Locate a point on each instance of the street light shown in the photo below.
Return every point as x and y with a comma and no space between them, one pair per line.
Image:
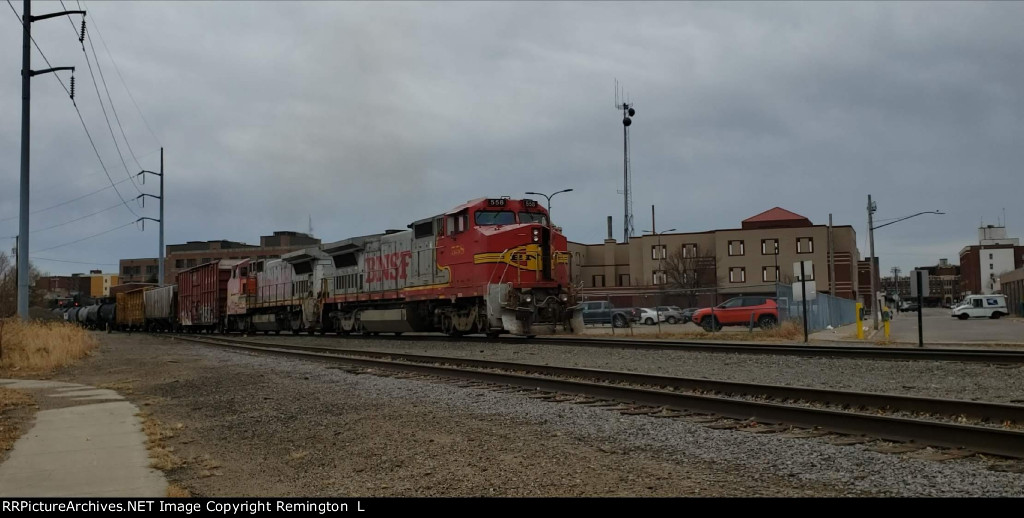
872,207
549,200
661,262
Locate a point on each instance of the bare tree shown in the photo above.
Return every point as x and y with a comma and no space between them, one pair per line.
691,274
9,287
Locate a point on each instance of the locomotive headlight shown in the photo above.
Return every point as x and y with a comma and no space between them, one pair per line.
536,235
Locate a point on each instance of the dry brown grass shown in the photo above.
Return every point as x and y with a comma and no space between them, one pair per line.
787,330
161,455
35,347
10,422
176,491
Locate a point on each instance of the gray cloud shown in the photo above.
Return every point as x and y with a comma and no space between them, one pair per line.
369,115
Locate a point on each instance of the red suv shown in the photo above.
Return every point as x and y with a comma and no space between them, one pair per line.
737,312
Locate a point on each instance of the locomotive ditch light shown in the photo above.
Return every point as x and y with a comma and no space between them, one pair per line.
528,298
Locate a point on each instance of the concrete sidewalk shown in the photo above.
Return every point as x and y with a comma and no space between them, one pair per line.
92,446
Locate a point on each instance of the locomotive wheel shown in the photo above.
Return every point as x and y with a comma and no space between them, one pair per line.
493,334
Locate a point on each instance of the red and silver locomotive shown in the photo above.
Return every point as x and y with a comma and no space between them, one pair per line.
492,266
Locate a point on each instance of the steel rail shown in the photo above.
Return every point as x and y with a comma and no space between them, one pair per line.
761,348
998,441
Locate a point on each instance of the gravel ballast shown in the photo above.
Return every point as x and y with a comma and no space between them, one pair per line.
953,380
250,424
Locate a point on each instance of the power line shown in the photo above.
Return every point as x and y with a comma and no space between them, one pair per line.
113,108
105,171
99,97
80,218
59,80
87,237
87,134
123,82
67,202
72,262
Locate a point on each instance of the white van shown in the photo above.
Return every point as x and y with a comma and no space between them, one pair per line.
981,306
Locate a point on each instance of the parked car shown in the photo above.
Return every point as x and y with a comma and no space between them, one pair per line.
910,306
687,315
981,306
650,317
670,314
604,312
738,312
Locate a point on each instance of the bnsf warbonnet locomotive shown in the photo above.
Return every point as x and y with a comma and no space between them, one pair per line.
492,265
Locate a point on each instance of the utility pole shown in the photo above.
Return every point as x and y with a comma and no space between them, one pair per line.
871,238
627,112
161,220
26,94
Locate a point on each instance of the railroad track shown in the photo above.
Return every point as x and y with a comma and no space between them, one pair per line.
761,348
878,415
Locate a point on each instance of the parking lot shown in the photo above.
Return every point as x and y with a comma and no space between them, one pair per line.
940,327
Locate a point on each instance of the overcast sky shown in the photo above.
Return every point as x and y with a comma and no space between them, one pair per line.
369,116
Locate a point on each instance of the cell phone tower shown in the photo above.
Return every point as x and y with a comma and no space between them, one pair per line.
627,182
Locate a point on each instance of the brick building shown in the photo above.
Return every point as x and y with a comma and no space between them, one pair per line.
982,265
139,270
718,264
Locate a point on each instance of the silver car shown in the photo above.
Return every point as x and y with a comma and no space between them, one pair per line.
670,314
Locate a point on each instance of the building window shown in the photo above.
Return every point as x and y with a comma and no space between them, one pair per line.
179,263
990,266
655,254
769,247
623,279
736,248
690,250
191,263
659,277
738,274
805,245
769,273
598,281
989,257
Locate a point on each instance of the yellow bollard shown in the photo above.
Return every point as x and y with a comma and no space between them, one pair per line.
886,318
860,321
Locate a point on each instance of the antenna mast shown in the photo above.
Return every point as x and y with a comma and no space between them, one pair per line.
627,181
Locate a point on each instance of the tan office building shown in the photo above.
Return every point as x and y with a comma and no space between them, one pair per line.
718,264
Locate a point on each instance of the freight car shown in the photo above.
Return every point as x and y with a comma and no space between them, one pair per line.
161,306
202,296
491,265
131,312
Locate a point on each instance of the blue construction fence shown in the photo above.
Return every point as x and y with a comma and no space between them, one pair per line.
822,311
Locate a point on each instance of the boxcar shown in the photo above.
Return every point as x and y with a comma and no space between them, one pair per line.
202,296
160,306
131,312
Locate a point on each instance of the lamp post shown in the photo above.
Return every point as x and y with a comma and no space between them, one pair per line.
661,264
872,207
552,195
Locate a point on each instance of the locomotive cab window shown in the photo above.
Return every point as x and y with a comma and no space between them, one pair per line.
457,222
533,217
495,217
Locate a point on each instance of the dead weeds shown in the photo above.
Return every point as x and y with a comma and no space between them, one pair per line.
16,408
35,347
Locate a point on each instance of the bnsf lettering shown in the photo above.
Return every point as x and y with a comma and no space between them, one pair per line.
388,267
